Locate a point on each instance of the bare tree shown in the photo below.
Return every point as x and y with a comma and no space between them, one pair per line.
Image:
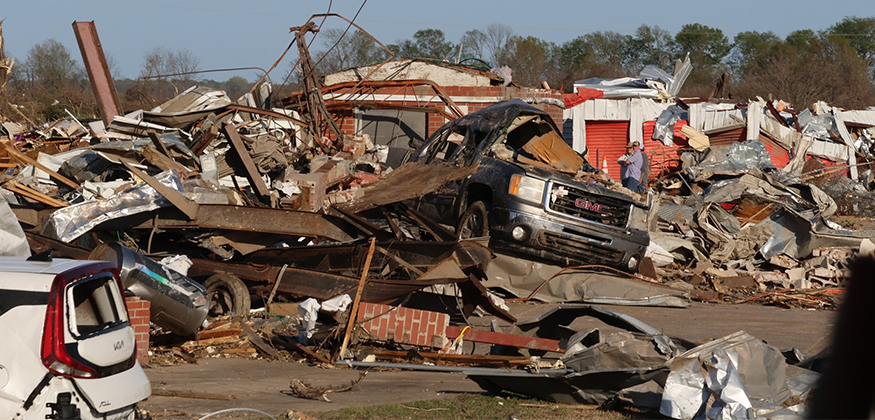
165,71
5,63
498,36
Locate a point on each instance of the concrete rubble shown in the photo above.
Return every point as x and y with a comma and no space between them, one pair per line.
280,210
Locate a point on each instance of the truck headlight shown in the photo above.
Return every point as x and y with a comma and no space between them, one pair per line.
527,188
519,233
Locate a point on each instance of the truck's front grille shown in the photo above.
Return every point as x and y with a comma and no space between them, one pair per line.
588,206
579,250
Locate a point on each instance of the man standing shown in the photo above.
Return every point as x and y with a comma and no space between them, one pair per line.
645,171
630,166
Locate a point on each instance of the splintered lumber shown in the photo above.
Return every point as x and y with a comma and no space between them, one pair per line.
698,140
33,194
218,324
26,159
256,340
214,341
191,394
358,297
223,332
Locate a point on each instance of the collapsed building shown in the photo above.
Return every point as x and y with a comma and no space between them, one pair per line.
278,204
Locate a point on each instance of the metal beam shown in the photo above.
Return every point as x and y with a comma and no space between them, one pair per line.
260,219
98,70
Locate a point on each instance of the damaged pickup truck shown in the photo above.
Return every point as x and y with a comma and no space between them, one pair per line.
524,194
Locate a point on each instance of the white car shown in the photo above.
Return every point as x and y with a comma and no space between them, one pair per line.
68,349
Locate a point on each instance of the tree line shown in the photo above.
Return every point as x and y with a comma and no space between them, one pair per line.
835,65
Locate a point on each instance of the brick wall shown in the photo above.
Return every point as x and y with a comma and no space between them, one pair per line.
404,325
468,98
138,313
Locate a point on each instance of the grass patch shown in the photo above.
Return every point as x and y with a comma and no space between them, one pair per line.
479,406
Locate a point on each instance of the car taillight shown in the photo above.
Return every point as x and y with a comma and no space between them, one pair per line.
54,354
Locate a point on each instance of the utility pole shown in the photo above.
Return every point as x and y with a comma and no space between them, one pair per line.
318,114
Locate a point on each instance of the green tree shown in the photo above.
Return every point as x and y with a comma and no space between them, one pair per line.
426,43
749,47
431,44
649,45
49,66
707,48
48,83
529,58
801,39
236,86
597,54
806,68
860,35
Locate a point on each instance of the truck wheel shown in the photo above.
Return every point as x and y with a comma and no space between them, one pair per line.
474,222
228,295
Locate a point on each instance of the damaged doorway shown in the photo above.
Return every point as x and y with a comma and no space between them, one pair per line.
401,131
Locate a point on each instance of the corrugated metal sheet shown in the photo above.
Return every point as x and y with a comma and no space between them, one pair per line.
607,140
721,118
865,118
662,158
728,137
780,155
606,109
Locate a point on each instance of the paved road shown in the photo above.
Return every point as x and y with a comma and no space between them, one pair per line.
264,385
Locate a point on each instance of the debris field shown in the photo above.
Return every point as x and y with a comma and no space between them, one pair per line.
362,222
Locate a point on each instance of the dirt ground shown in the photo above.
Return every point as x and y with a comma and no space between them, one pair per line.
264,385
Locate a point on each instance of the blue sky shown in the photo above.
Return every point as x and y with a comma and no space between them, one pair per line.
226,33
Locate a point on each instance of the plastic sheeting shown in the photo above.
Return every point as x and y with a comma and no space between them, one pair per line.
739,370
738,156
663,130
13,242
71,222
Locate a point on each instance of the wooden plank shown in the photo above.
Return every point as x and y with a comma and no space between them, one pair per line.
697,140
191,394
256,340
33,194
353,313
26,159
160,161
236,332
158,144
219,324
251,171
417,272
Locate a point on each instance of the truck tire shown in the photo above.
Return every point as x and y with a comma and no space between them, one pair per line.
228,295
474,223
